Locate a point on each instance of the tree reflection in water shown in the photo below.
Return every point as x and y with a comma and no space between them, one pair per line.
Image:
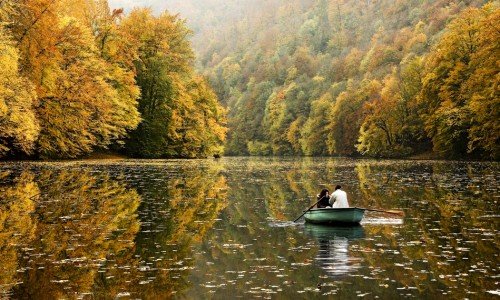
333,255
77,223
221,229
84,232
17,226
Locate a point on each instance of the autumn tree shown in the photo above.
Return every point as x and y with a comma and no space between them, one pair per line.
277,121
162,66
392,126
314,133
298,78
181,115
247,120
347,116
18,125
460,90
204,124
305,42
82,104
482,87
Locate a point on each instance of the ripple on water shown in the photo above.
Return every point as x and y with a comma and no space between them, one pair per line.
380,221
142,229
278,224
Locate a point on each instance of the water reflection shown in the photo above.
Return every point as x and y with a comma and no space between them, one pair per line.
83,232
445,246
68,227
222,229
17,226
333,255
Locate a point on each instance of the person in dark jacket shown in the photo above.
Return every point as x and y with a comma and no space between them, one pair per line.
324,199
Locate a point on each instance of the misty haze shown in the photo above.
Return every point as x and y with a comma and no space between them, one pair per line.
215,149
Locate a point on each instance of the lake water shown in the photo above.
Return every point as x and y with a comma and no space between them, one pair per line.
221,229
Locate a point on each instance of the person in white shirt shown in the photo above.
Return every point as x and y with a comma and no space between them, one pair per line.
338,199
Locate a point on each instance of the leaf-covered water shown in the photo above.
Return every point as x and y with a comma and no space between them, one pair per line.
221,229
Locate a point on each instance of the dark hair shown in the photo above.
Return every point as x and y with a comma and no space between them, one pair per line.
338,187
323,193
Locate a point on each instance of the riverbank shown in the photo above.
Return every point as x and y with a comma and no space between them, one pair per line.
110,155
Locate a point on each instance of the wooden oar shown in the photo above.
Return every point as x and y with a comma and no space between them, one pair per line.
308,209
391,211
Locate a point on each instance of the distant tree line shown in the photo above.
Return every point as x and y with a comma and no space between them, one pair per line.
379,78
77,77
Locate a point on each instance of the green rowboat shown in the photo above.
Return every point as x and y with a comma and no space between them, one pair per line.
345,216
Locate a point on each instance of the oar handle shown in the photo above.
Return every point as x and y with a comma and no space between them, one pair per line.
308,209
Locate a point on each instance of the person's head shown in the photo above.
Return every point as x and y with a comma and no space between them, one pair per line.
323,193
338,187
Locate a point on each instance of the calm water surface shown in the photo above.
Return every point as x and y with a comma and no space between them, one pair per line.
220,229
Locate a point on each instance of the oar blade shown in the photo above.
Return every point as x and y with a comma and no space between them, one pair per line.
390,211
396,212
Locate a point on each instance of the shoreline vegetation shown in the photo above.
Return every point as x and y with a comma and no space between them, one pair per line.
104,156
345,77
376,79
80,77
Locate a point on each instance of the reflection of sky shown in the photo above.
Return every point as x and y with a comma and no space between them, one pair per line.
333,256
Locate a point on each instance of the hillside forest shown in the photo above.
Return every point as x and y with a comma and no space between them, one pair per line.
376,78
373,78
78,77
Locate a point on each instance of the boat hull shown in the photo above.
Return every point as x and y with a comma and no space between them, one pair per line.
340,216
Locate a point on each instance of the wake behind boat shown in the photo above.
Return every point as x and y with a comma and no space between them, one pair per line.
341,216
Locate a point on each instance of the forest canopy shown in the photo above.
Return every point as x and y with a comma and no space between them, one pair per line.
373,78
79,77
343,77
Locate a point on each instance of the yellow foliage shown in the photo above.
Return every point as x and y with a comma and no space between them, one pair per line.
18,126
17,226
84,101
461,85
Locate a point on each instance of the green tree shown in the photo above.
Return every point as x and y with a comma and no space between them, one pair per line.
181,116
247,120
315,130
